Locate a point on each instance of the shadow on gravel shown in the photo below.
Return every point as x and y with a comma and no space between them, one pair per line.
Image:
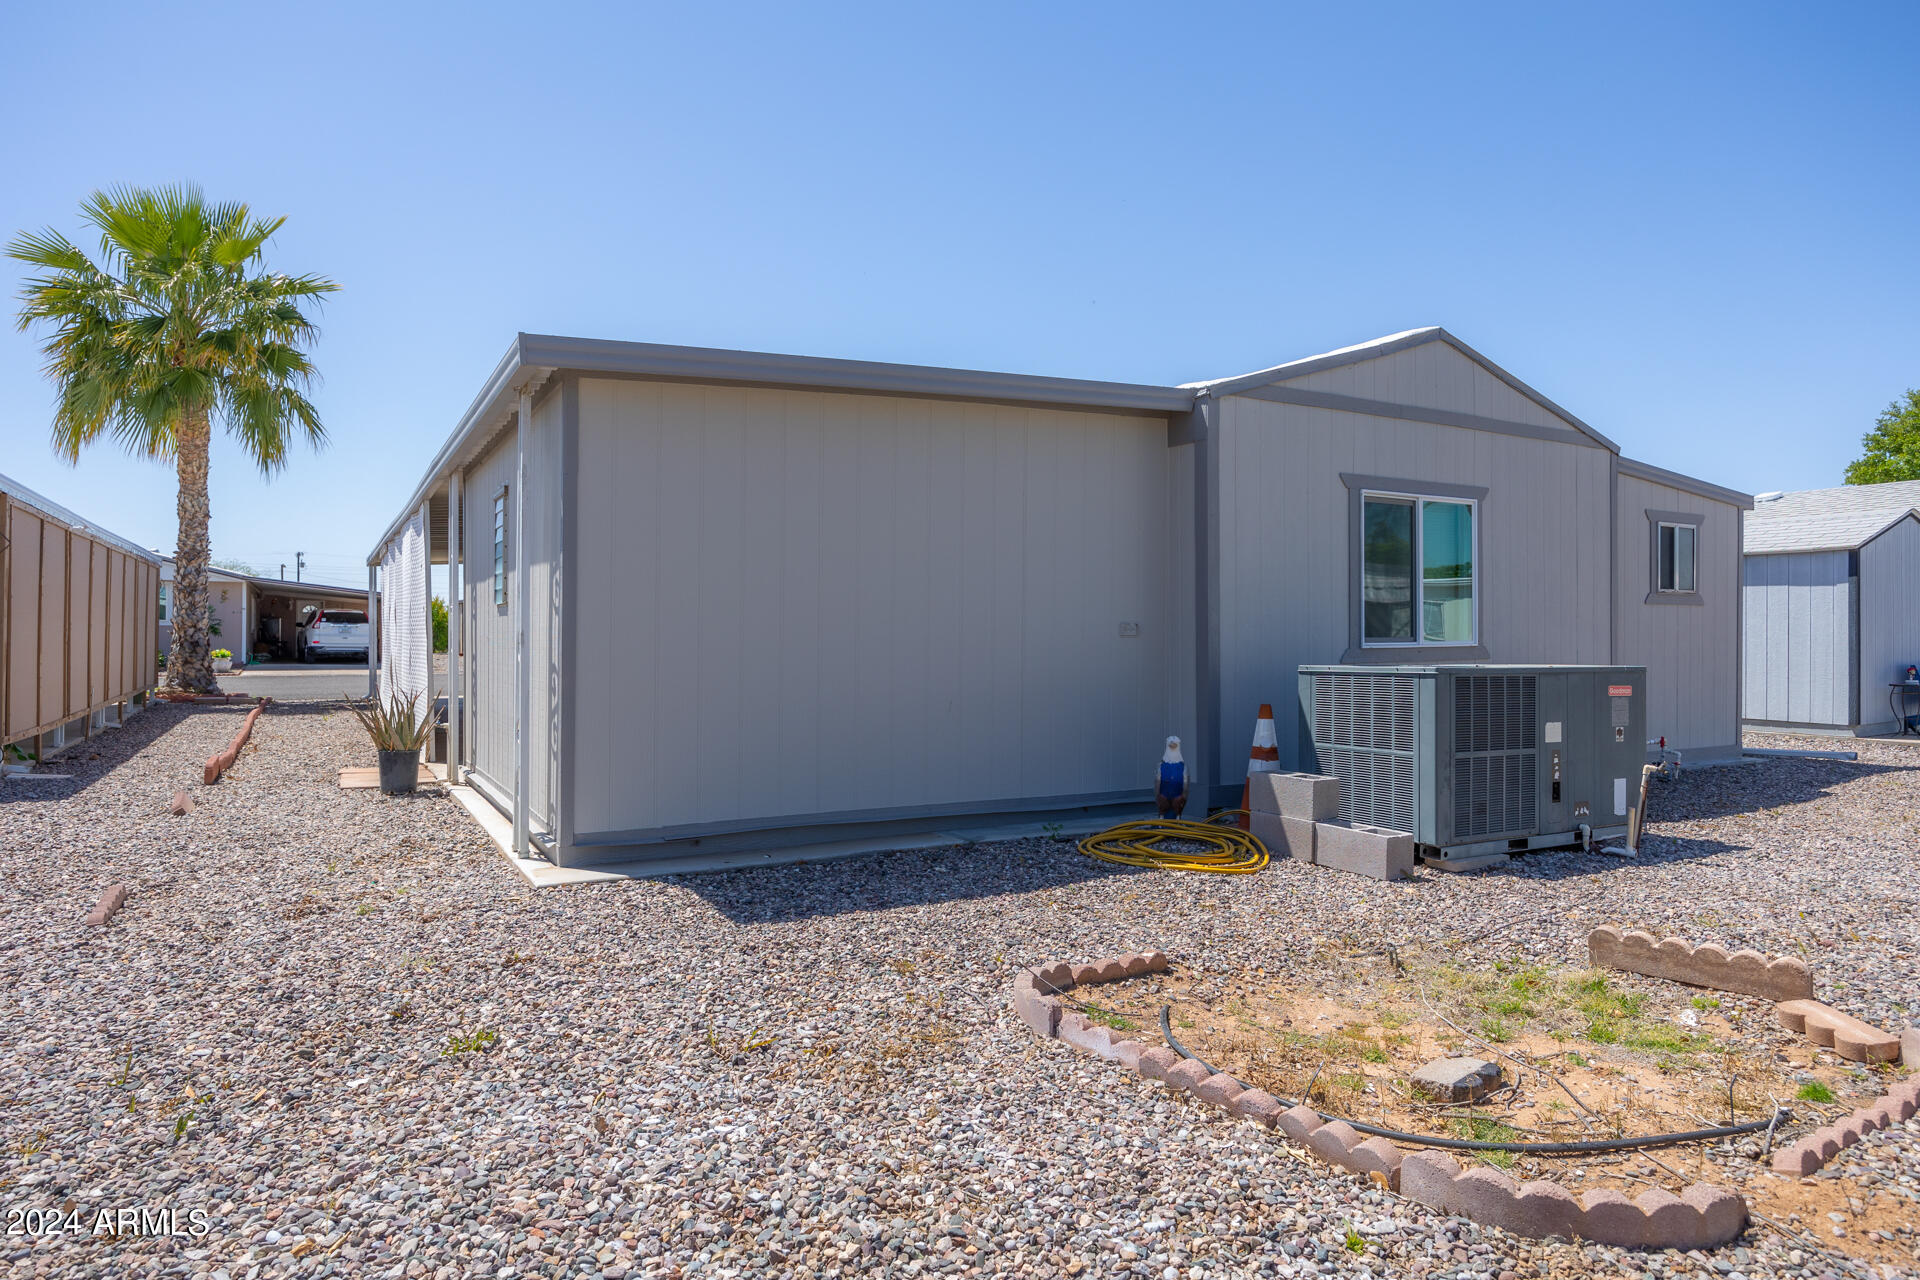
1655,851
905,878
88,762
1764,784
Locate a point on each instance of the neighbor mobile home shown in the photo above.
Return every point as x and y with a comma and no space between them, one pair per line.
743,602
77,622
1832,602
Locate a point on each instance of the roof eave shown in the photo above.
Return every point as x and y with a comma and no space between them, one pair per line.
551,354
1689,484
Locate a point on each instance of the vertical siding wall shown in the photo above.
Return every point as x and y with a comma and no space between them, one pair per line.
1691,652
795,604
78,624
489,739
1799,649
1889,617
1287,566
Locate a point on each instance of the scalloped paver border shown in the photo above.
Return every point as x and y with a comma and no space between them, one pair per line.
1809,1153
1702,1217
1707,965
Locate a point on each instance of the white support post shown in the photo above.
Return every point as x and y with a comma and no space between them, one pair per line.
426,585
522,604
373,631
456,606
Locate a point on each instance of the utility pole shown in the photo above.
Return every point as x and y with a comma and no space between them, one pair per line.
283,571
299,565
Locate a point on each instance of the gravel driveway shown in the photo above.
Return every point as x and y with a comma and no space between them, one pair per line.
341,1027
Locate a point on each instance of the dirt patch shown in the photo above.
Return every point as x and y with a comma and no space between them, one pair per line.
1584,1054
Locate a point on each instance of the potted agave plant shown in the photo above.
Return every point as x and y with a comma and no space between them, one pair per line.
398,729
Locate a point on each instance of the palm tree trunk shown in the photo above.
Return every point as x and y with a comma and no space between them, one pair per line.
189,664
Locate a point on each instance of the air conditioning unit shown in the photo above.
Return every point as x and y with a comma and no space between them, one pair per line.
1473,759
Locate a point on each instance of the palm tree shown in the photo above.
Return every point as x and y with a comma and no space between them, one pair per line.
177,324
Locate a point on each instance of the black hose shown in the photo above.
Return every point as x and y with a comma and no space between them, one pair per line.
1518,1148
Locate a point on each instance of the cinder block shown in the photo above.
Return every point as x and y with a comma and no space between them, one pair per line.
1910,1046
1111,970
1127,1053
1363,850
1085,975
1313,796
1284,837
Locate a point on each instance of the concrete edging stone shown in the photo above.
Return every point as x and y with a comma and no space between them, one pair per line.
1701,1217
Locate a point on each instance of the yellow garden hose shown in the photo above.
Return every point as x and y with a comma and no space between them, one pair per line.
1228,850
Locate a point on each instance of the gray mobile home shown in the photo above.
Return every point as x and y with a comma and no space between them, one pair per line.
741,603
1832,603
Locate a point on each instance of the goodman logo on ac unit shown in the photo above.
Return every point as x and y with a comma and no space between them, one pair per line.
1619,691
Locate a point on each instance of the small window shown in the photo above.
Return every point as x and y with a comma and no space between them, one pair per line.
500,547
1417,571
163,602
1676,557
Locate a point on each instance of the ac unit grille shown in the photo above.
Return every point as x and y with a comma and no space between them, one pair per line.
1364,733
1495,764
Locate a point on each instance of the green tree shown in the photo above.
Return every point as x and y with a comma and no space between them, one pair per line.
1891,451
438,608
176,324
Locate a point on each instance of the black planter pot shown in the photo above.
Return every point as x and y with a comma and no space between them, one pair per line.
399,771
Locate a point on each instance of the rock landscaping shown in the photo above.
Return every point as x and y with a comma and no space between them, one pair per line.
340,1027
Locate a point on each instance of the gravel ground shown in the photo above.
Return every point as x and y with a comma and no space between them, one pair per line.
340,1027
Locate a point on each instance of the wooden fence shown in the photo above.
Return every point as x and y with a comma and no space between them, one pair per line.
79,624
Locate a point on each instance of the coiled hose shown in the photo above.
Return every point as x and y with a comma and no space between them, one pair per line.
1227,850
1519,1148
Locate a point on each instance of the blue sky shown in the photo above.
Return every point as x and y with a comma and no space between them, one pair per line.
1693,226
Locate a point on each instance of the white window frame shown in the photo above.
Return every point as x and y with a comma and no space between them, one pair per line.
1659,528
1419,501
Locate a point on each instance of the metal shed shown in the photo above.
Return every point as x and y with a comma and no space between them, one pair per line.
713,607
77,623
1832,601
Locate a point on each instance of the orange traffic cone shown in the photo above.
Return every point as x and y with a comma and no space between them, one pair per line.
1263,758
